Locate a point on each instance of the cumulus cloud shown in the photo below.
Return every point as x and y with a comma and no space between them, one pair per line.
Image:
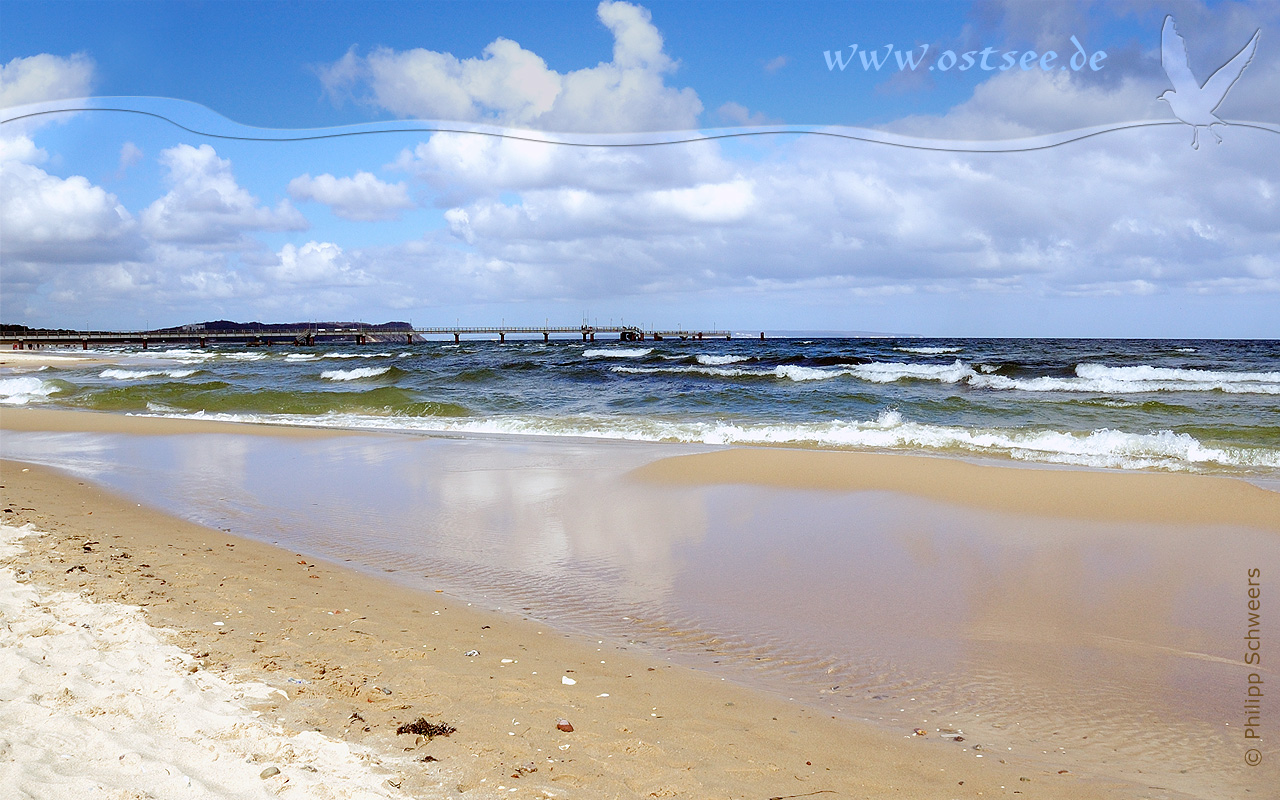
362,197
509,85
462,166
207,207
37,78
1135,213
1012,105
315,264
50,219
1016,103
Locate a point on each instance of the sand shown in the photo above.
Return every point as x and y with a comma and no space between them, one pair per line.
1113,496
96,704
358,657
34,359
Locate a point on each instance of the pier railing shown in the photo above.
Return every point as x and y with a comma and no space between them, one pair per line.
31,339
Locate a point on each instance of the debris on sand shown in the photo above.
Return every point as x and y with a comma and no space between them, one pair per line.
428,729
563,724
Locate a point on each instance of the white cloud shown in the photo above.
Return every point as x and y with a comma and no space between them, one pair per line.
45,77
1134,213
362,197
130,154
462,166
1016,104
774,64
207,207
57,220
739,115
315,264
509,85
20,149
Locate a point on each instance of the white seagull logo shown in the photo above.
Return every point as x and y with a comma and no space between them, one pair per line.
1192,103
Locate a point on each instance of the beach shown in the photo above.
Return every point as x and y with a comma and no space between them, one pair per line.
673,703
334,640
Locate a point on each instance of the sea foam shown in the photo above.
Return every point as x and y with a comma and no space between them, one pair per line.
20,391
354,374
889,430
137,374
618,352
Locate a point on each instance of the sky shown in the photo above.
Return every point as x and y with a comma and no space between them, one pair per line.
113,219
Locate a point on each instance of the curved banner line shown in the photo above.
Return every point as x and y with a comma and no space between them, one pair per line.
216,126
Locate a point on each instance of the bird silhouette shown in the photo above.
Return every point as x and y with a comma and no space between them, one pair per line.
1192,103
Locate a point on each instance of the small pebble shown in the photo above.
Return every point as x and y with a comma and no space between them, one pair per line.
564,725
268,772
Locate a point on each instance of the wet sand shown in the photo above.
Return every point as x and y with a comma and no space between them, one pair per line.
1062,493
1044,606
359,657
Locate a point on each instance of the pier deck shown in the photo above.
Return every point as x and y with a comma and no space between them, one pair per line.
32,339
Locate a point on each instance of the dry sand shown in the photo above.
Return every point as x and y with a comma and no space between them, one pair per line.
40,358
358,657
1113,496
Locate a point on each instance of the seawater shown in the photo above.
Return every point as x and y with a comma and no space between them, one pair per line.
1198,405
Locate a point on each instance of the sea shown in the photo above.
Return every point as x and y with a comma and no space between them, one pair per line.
1209,406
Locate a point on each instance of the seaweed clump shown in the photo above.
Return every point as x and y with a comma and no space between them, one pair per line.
428,729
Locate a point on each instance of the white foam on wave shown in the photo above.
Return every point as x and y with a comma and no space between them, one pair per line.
928,351
172,354
138,374
1100,448
719,361
618,352
354,374
243,356
96,704
689,369
1089,378
20,391
357,355
1146,373
301,357
1100,379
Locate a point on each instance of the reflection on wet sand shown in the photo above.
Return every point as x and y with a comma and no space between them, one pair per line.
1114,642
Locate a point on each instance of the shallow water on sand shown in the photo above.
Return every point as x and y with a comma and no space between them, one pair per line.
1117,647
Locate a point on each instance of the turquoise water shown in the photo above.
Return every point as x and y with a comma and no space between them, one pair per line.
1211,406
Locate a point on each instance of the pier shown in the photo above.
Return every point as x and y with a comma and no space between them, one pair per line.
266,336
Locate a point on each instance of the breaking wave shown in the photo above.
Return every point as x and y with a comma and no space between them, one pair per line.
618,352
354,374
137,374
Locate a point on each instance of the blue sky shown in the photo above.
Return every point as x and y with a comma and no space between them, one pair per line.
117,220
